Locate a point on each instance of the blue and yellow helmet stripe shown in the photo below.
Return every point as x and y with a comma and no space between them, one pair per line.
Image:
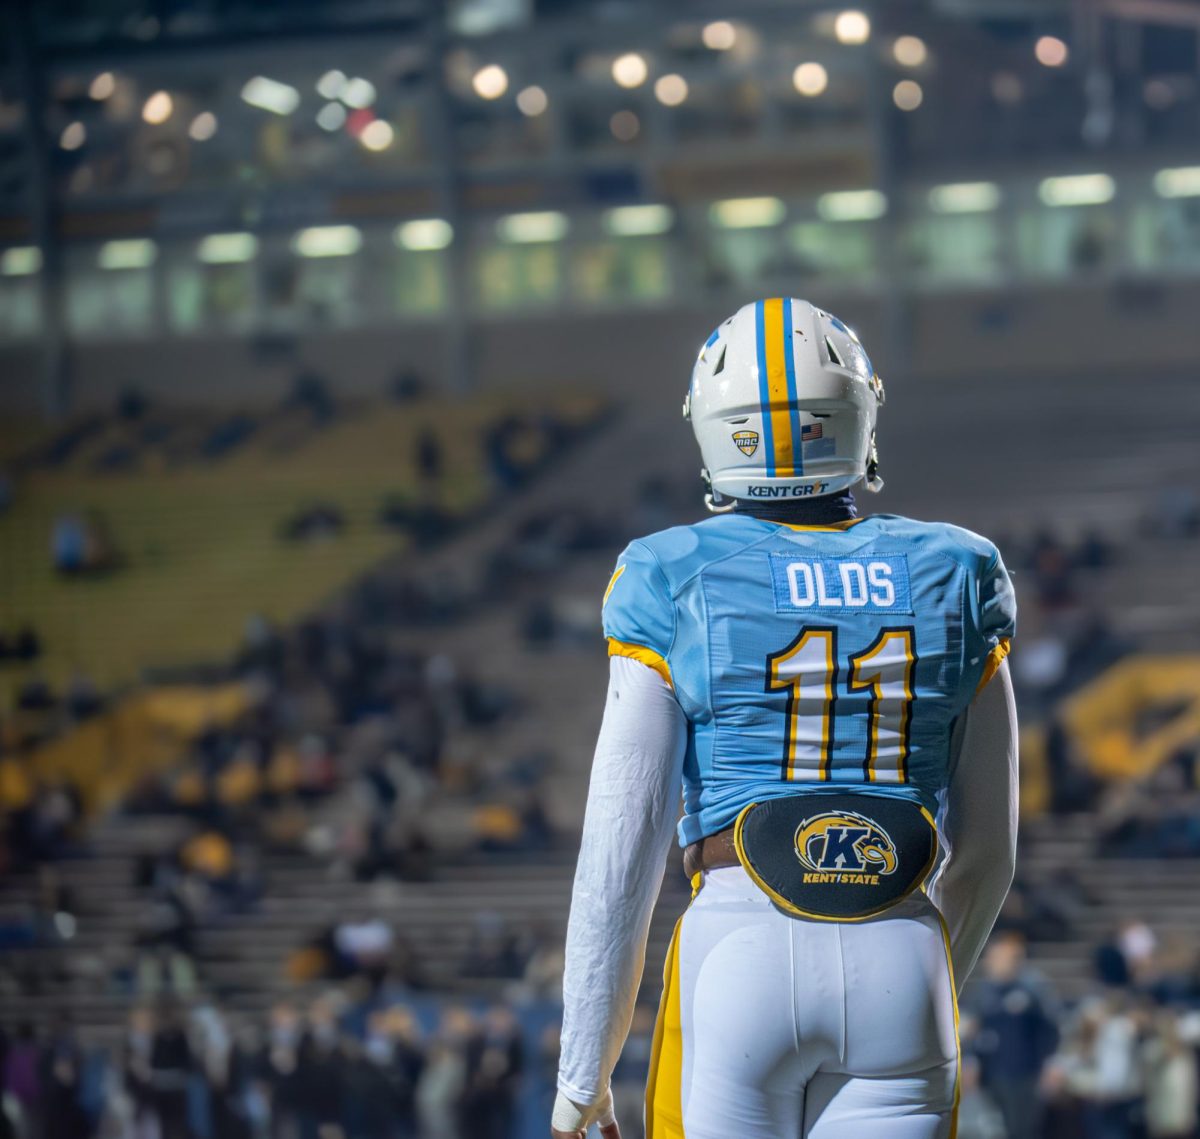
777,387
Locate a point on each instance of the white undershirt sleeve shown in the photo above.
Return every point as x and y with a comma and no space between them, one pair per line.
979,822
633,802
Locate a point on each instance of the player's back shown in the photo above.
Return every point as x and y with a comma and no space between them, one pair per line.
812,658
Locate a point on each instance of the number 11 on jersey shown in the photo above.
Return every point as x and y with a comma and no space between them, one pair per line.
807,670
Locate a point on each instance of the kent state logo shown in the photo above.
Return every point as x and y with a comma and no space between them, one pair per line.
747,442
841,846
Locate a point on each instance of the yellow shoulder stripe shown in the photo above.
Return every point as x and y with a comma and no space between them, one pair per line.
992,664
646,656
611,582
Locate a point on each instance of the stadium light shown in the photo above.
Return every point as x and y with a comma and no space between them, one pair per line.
747,213
331,84
331,117
203,126
270,95
102,86
158,108
909,51
358,93
637,221
127,253
810,79
852,27
532,101
1077,190
377,135
852,205
327,241
74,135
227,248
964,197
630,70
1178,182
671,90
20,261
1051,51
490,82
528,228
907,95
720,35
625,126
423,234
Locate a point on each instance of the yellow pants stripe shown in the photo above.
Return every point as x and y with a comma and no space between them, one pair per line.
957,1038
664,1087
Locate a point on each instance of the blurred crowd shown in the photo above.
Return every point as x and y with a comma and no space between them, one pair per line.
338,1067
1120,1064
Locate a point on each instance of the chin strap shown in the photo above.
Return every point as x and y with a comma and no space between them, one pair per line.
716,503
872,481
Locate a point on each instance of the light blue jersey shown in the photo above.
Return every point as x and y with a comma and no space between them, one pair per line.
812,658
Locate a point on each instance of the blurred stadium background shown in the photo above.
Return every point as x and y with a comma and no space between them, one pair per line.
341,350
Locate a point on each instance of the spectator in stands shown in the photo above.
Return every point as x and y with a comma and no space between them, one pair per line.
1127,958
444,1078
428,457
137,1073
170,1070
82,697
1017,1016
278,1068
81,543
310,394
395,1056
407,386
365,946
224,1068
495,951
1050,564
495,1064
61,1080
320,1071
69,544
23,1080
23,646
1100,1066
1172,1081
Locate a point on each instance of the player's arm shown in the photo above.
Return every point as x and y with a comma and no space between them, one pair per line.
979,824
633,801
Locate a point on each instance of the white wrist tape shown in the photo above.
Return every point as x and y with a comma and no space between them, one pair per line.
569,1116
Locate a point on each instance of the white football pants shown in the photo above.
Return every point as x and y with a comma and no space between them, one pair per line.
774,1027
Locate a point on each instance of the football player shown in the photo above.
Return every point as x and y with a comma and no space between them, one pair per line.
828,694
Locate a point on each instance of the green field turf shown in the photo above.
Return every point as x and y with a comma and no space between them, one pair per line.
201,543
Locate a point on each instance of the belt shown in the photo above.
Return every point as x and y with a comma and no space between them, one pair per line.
712,852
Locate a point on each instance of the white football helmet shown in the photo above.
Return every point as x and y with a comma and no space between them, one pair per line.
783,402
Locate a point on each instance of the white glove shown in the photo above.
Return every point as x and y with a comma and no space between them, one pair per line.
569,1116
